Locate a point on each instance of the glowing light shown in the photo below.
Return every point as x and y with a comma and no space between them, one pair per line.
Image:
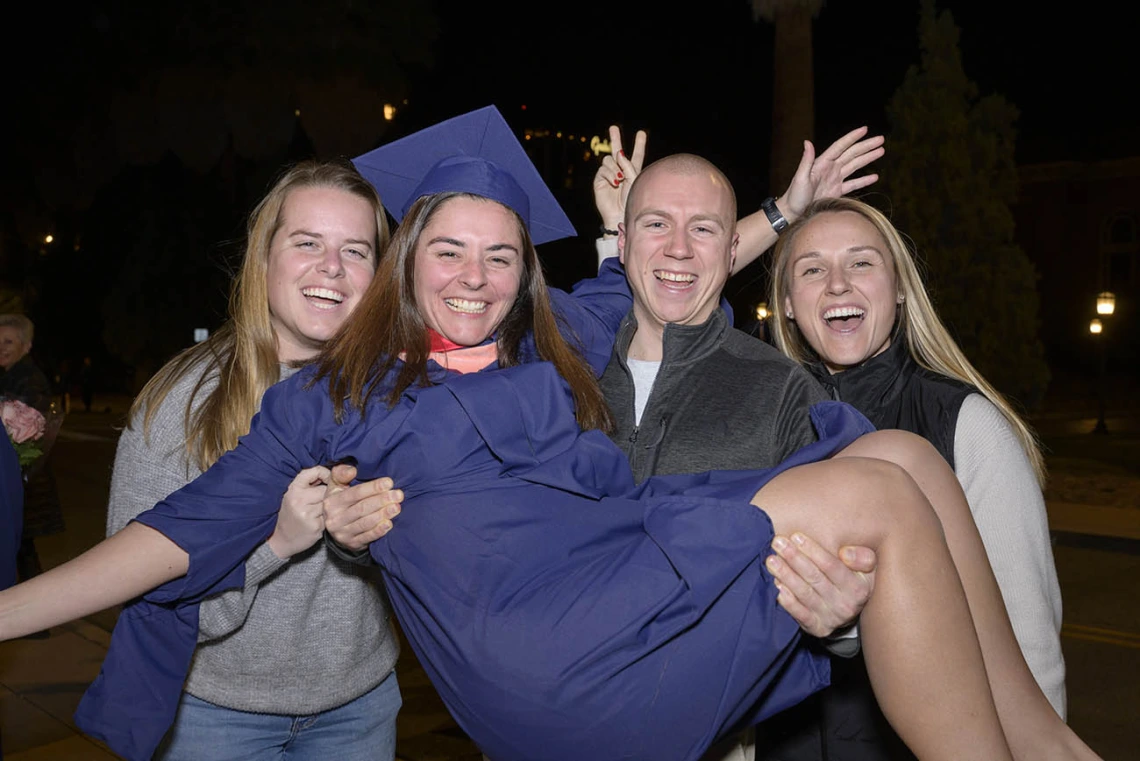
1095,327
389,112
296,112
49,238
762,312
1105,303
599,146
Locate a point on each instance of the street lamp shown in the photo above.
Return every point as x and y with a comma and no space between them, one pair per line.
762,311
1105,305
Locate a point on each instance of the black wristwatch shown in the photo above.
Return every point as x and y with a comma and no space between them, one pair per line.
779,223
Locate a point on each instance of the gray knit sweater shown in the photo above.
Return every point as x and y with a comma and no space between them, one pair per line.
303,635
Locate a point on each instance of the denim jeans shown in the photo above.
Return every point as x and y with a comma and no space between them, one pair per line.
362,730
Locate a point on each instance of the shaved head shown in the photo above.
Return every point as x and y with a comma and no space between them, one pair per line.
681,165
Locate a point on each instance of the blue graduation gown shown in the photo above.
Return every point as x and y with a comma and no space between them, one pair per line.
11,510
561,610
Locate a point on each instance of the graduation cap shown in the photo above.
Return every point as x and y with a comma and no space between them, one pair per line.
474,153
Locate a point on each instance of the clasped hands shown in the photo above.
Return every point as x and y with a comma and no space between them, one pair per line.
323,499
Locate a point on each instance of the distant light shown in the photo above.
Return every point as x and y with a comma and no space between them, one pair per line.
389,112
571,137
762,312
296,112
526,136
1095,327
583,138
200,335
49,238
599,146
523,107
558,134
1105,303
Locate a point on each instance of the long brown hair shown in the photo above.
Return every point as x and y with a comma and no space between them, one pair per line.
243,354
928,340
387,327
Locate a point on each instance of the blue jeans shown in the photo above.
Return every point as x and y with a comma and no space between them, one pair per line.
362,730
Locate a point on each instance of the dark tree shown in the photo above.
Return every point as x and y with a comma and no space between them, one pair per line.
951,178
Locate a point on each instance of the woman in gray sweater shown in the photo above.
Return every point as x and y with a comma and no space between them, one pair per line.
293,660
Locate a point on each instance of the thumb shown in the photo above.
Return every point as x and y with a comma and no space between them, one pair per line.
858,558
342,476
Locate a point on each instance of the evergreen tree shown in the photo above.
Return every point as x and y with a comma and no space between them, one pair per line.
951,178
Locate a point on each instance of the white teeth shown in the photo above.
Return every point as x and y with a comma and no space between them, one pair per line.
838,312
323,293
676,277
463,305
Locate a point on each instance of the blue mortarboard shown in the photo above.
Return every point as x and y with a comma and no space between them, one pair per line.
473,153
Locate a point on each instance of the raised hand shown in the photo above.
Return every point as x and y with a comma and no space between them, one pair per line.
826,176
615,176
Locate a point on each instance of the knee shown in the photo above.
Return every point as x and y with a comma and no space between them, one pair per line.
897,502
911,452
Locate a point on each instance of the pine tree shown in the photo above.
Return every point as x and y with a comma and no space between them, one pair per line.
951,178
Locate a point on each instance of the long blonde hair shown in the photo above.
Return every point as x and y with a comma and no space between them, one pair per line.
928,340
388,326
242,354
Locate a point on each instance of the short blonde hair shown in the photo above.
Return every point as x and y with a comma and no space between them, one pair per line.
928,340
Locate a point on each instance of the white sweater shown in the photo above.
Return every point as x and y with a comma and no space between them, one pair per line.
1009,510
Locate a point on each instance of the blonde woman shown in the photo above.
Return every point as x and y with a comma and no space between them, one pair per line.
292,661
850,305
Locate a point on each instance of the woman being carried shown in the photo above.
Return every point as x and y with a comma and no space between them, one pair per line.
561,611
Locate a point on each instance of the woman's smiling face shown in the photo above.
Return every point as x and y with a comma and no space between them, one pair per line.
468,269
842,293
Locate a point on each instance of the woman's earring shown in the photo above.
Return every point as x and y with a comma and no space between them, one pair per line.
790,316
901,299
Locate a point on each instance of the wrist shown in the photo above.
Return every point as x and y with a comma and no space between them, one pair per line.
790,213
775,215
608,230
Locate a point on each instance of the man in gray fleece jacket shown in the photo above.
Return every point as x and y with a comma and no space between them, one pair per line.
687,390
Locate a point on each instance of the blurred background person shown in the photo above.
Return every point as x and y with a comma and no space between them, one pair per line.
23,380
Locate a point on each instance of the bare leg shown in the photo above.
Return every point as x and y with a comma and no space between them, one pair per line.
120,568
1033,728
922,652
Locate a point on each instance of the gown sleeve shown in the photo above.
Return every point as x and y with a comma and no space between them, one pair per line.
591,313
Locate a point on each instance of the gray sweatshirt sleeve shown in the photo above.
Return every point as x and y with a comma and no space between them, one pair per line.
146,470
1009,510
794,426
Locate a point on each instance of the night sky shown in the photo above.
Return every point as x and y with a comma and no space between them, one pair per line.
118,84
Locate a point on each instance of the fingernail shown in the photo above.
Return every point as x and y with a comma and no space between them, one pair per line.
847,553
779,543
772,562
798,538
620,176
621,153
